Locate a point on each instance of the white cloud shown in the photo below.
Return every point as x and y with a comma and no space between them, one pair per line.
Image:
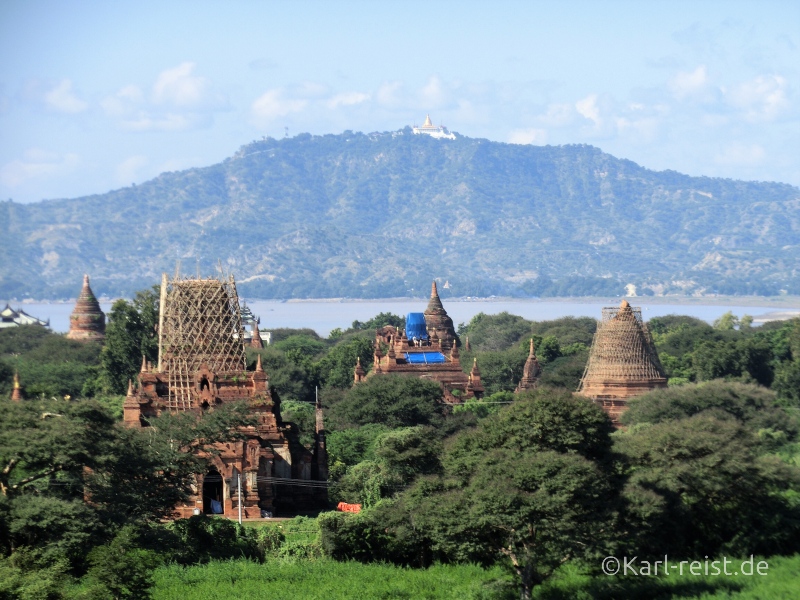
37,164
528,136
164,122
273,104
121,103
310,89
763,98
587,108
558,115
129,170
179,87
690,85
738,154
434,94
347,99
178,101
62,99
388,94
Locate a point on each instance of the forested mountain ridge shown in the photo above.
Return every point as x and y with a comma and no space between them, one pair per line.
380,215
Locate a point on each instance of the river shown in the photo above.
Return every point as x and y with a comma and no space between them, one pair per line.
323,316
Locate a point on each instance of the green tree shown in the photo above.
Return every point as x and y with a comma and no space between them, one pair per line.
530,485
391,400
787,382
122,568
751,405
131,333
380,320
49,365
55,455
336,368
536,510
727,322
495,332
701,485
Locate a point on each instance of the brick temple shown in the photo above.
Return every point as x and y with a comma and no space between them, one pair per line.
623,361
427,348
202,365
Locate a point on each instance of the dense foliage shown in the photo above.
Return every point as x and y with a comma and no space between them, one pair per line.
355,215
539,483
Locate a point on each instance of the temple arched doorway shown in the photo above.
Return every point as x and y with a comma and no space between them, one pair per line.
212,493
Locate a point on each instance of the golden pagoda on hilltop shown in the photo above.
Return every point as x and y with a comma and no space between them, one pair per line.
623,362
436,131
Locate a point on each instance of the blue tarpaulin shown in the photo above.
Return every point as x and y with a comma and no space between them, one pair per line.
425,358
415,326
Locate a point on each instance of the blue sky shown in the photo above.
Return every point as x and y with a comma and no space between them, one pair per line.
99,95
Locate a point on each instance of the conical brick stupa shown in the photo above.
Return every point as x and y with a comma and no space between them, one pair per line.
87,323
438,321
623,362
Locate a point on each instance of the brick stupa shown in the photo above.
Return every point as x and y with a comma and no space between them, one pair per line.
87,323
623,362
437,321
530,373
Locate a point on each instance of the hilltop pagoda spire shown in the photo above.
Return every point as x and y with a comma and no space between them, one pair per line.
87,323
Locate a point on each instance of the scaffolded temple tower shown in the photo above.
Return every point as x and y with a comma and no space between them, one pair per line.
200,333
622,362
202,364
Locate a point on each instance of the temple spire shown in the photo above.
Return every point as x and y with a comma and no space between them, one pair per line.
130,389
259,368
530,372
16,392
320,423
256,341
437,319
359,374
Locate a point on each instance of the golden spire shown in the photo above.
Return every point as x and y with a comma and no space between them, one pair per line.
16,393
427,121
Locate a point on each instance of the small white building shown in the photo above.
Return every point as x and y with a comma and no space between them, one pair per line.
437,131
14,318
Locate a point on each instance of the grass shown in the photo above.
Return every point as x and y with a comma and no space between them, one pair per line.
326,580
330,580
782,582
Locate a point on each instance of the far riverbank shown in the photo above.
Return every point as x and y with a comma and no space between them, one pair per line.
323,315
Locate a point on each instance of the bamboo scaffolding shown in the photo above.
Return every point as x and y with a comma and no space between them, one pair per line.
200,326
